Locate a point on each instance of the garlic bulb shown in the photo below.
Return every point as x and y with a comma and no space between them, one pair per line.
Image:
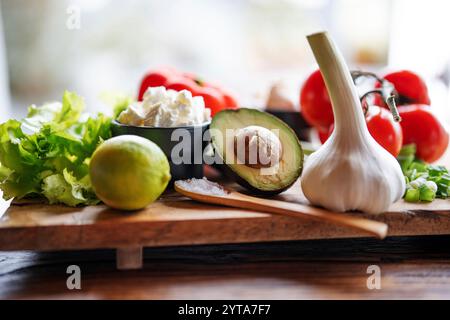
351,171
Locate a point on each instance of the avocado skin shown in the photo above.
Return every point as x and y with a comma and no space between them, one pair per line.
242,182
224,168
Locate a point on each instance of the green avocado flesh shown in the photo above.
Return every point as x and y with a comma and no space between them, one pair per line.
290,165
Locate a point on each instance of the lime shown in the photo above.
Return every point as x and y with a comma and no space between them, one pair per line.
129,172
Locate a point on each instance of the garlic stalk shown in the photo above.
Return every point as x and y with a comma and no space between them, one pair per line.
351,171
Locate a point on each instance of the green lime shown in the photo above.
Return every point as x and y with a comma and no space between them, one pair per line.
129,172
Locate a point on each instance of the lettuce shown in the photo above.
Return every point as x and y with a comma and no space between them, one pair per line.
47,154
117,101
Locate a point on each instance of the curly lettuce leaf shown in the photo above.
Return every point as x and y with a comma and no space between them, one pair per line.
48,153
19,163
56,115
65,188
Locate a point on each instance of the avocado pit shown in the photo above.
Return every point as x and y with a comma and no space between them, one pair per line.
257,147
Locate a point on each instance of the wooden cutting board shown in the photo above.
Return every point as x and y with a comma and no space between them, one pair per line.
175,220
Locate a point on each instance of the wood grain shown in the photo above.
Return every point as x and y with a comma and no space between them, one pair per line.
411,268
236,199
175,220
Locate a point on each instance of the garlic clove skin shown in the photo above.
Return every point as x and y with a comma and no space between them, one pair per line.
343,178
351,171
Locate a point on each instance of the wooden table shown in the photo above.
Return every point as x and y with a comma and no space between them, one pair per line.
411,267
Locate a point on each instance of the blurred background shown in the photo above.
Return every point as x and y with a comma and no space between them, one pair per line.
245,45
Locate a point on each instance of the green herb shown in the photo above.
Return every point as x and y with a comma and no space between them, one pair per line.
412,195
424,182
47,154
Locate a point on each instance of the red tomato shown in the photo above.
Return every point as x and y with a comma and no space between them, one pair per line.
190,76
214,96
421,127
325,134
382,128
181,83
156,78
410,87
213,99
230,101
315,102
378,99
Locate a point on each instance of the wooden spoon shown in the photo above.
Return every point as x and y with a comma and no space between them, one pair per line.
203,190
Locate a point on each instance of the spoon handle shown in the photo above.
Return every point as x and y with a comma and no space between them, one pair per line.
239,200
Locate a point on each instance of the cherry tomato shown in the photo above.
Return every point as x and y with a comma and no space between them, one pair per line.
382,128
410,87
421,127
155,78
325,134
378,99
182,83
228,98
213,99
315,102
230,101
214,96
190,75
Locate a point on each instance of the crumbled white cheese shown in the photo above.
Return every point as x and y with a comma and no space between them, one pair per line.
166,108
133,115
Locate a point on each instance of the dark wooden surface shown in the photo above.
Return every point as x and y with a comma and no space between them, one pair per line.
412,267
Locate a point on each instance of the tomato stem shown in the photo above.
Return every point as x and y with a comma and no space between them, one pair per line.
356,74
387,92
390,101
199,81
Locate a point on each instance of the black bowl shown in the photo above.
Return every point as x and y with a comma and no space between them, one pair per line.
295,120
185,156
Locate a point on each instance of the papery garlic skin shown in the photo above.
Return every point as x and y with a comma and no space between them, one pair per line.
351,171
352,181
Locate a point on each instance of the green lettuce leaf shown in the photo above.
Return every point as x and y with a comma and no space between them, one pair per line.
65,188
48,153
57,116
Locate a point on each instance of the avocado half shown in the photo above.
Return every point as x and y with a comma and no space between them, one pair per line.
290,164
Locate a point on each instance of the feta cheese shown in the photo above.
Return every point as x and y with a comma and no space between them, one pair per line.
133,115
166,108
